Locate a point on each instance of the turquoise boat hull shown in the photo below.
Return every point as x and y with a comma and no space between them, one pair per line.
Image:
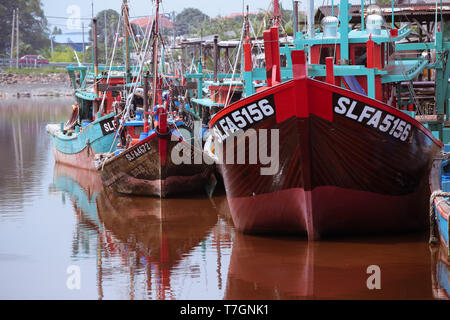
78,149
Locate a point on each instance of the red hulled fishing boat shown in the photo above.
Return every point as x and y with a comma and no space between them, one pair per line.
162,163
346,163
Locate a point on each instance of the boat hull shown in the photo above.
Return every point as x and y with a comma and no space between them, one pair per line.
148,169
441,206
335,175
79,148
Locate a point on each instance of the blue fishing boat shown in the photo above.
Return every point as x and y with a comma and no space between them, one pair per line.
440,200
77,146
99,95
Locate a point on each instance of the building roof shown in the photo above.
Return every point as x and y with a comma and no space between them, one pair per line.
72,37
143,22
240,14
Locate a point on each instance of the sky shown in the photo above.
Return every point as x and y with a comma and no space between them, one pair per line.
213,8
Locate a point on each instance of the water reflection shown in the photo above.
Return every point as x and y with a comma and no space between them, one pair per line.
155,245
268,268
24,149
440,273
157,249
141,248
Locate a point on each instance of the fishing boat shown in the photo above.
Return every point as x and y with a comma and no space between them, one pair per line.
161,163
91,126
440,200
335,154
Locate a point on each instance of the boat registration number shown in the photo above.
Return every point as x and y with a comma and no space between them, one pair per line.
138,152
244,117
107,126
380,120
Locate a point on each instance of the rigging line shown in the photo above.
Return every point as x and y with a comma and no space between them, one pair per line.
111,61
235,65
263,22
403,70
130,96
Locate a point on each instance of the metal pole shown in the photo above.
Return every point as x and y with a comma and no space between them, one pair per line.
155,58
392,13
127,38
362,15
146,103
311,18
216,57
295,17
94,35
12,35
17,38
106,41
276,13
84,46
174,28
51,42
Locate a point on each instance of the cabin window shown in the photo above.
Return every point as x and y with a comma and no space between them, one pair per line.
326,52
361,56
389,51
283,61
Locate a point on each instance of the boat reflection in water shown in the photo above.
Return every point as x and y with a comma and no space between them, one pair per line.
440,272
147,248
291,268
155,248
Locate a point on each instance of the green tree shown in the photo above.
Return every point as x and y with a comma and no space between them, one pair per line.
56,30
187,19
33,31
112,18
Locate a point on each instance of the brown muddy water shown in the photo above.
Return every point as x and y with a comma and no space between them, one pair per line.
58,222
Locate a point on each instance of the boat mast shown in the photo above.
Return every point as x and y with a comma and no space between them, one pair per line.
311,19
94,35
344,30
155,55
295,8
125,12
276,13
362,15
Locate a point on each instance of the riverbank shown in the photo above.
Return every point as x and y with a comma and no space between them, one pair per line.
35,84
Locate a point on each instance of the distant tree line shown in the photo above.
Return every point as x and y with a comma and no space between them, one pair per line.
35,33
33,26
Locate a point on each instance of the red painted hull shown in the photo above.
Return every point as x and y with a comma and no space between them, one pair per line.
339,172
286,211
